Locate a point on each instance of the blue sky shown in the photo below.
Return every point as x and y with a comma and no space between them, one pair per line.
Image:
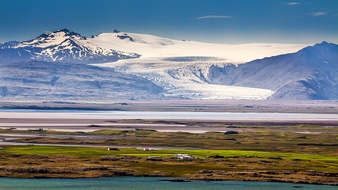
220,21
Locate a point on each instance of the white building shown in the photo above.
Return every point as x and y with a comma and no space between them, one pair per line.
183,156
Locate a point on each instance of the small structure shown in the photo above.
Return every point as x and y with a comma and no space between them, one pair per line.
113,148
215,156
146,149
231,133
183,156
154,158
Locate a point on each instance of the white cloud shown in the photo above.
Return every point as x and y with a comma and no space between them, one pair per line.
317,14
293,3
215,17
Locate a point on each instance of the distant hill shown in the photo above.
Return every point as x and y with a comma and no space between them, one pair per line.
309,74
49,81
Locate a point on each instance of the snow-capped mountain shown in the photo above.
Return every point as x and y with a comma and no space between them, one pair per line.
139,66
70,47
311,73
66,47
150,46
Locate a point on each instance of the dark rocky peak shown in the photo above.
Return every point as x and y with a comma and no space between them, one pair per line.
68,32
62,32
47,37
125,36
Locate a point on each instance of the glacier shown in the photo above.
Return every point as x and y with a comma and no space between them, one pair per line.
130,66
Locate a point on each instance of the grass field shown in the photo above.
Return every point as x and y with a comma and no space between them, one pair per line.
299,154
94,152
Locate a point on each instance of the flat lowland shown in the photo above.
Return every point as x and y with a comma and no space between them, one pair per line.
298,153
311,106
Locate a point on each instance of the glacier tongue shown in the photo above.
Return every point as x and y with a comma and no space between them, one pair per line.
186,77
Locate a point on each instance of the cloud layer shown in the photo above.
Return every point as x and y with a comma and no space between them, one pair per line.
293,3
317,14
215,17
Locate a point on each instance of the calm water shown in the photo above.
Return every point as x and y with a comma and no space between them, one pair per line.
141,183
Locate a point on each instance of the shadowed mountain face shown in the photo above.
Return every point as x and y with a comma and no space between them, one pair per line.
309,74
54,81
14,55
9,44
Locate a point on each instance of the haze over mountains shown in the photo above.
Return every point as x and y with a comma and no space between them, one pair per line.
64,65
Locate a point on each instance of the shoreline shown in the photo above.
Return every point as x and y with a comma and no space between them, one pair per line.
188,179
95,162
173,183
266,150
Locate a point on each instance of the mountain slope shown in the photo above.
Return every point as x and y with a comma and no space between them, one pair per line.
14,55
49,81
161,68
311,73
10,44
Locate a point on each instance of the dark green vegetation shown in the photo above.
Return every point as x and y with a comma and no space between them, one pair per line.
301,153
311,139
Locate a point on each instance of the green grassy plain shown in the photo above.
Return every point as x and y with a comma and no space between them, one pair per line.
257,153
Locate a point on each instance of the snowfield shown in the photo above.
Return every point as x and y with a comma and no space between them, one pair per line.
182,67
153,46
142,66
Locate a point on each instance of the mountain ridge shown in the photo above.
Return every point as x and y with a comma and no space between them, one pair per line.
122,45
180,69
67,47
